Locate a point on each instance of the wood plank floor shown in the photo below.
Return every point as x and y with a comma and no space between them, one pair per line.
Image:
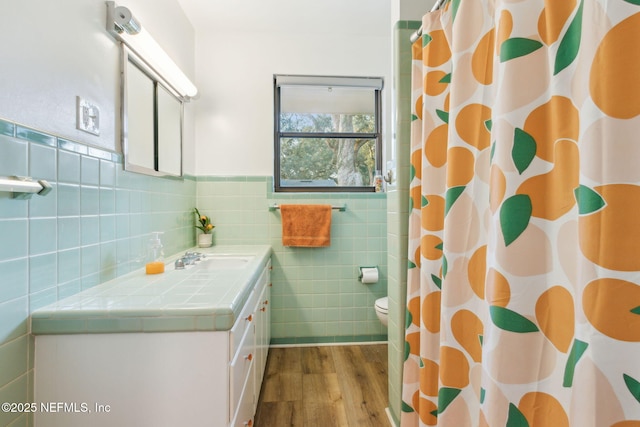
341,386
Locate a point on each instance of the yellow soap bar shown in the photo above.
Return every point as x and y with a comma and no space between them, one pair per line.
155,267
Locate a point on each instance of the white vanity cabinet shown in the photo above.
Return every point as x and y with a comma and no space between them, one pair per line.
185,378
249,355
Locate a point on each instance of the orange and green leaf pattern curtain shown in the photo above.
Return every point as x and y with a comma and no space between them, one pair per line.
523,289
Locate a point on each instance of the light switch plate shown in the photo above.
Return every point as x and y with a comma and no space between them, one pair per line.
87,116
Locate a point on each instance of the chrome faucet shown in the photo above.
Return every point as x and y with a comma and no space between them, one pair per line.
189,258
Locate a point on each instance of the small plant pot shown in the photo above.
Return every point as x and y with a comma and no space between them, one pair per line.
205,240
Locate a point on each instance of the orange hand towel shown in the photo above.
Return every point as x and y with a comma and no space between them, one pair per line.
306,225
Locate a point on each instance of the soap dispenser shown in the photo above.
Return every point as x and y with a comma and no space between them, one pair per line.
155,254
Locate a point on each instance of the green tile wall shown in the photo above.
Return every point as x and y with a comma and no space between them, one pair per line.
398,205
316,295
91,228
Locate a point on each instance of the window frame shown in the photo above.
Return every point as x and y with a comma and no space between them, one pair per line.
374,83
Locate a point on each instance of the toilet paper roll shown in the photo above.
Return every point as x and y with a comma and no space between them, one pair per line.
369,274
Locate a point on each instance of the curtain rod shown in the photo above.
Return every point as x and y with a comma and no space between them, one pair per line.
418,33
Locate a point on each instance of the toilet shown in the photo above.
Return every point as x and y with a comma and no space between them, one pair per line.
382,310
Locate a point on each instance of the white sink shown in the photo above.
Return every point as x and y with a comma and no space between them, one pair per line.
225,261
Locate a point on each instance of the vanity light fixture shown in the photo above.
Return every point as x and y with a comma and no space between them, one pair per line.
125,27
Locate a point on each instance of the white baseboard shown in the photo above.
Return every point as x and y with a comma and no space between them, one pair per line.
326,344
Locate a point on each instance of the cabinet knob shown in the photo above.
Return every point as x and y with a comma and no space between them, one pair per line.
270,284
250,317
248,423
263,309
249,357
266,302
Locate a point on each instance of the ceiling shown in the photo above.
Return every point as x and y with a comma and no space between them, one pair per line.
364,17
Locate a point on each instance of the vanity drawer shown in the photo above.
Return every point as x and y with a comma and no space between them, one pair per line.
242,324
240,369
246,405
247,315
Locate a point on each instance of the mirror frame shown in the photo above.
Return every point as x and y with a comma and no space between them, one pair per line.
128,56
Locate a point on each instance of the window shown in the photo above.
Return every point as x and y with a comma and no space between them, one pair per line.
327,133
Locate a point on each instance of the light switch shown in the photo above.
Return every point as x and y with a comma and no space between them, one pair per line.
87,116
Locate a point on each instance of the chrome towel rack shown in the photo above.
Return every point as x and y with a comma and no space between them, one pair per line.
23,187
338,208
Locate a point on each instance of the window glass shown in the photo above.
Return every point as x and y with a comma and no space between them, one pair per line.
327,135
334,162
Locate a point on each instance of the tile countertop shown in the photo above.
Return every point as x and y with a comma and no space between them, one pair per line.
194,299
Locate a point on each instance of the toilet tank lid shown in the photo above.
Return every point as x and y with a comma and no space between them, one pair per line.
382,303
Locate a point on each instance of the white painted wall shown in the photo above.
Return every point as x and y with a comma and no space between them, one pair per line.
234,70
53,51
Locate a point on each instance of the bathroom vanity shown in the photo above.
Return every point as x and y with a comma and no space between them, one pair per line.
183,348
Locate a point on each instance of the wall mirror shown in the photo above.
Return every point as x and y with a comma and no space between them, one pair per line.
152,117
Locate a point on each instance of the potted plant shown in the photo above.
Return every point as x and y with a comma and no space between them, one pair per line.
205,239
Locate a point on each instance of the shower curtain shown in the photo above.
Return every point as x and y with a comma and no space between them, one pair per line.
523,298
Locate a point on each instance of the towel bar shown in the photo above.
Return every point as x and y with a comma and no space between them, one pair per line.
23,187
338,208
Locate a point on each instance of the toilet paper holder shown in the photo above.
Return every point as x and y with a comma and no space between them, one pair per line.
368,274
